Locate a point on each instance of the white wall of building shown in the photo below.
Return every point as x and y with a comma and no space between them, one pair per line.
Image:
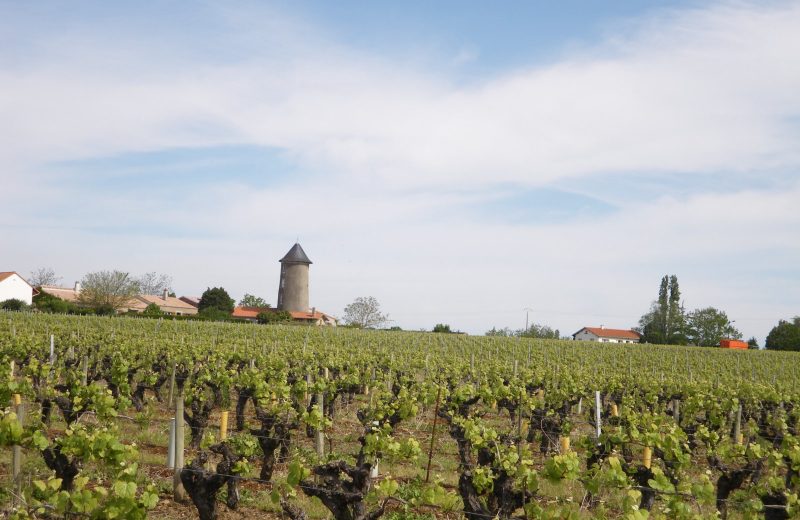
15,287
585,335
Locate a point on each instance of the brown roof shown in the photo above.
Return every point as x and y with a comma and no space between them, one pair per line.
194,301
603,332
169,301
9,274
249,312
252,312
65,293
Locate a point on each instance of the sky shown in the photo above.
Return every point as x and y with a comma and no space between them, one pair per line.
470,163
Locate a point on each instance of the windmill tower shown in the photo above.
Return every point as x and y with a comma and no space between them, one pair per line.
293,288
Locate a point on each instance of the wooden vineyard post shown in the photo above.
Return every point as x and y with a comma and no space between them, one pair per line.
472,363
515,368
16,450
597,414
52,349
433,433
307,396
320,435
171,445
223,425
737,429
676,411
178,492
519,425
580,405
172,384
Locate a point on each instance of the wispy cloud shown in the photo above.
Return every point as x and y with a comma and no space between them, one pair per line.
679,133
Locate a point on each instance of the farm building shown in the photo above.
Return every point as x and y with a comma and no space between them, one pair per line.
13,286
168,304
605,335
312,317
65,293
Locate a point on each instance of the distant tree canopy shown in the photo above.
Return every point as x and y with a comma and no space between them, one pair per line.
365,313
538,331
274,317
665,323
706,327
46,302
44,276
752,343
442,327
14,304
248,300
104,290
534,331
785,335
154,283
216,299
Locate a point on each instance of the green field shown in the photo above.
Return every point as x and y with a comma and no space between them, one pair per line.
685,432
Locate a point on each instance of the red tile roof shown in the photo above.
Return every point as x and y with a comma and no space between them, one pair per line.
252,313
9,274
603,332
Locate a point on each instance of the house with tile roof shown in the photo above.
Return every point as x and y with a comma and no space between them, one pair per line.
15,287
168,304
312,317
604,335
69,294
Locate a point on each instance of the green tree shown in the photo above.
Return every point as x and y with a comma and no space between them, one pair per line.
785,335
253,301
707,326
215,299
14,304
752,343
274,317
665,322
46,302
442,327
502,333
538,331
153,311
365,313
104,290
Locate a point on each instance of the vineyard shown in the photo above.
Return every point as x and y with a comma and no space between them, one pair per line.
305,423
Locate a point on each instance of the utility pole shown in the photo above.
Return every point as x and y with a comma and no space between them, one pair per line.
527,310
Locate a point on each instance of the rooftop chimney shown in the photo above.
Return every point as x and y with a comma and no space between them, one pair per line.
313,311
165,294
77,287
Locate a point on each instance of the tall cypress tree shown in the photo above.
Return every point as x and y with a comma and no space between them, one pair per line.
676,322
666,321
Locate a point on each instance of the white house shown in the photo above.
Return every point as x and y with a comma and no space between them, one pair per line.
14,286
604,335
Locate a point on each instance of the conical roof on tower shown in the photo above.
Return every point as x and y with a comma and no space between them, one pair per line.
296,255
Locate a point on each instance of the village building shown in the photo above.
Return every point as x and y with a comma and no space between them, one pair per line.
604,335
15,287
312,317
69,294
168,304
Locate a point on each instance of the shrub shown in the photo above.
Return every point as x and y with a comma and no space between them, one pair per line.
14,304
273,317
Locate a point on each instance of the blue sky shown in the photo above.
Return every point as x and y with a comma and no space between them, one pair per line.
460,161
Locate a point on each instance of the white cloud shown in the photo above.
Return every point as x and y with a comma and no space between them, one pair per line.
396,156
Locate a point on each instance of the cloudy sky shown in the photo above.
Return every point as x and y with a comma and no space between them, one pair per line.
460,161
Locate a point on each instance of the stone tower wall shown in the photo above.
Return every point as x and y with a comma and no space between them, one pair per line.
293,289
